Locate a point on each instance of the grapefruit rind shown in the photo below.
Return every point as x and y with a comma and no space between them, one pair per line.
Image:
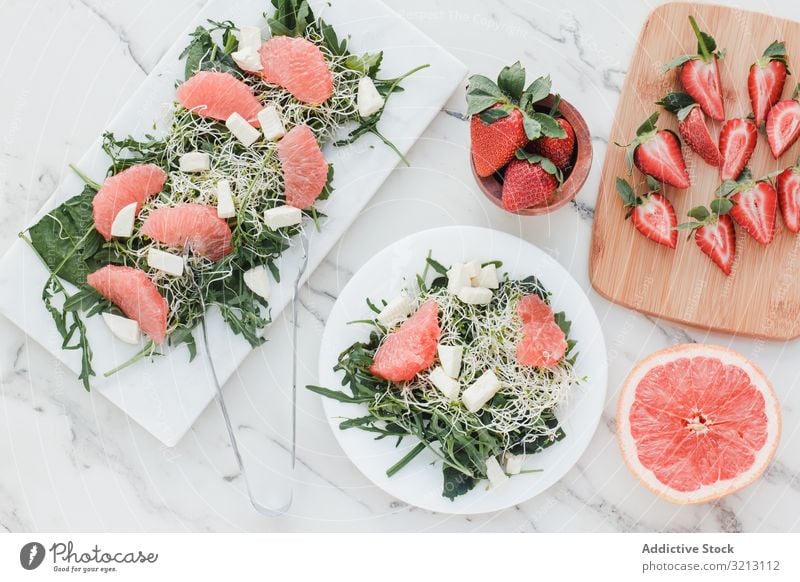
721,488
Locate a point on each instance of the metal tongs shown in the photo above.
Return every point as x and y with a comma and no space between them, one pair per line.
261,508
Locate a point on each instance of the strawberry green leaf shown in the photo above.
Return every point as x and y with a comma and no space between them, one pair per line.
494,114
677,62
653,185
776,51
554,112
649,126
549,126
511,80
629,159
537,90
549,167
533,129
726,188
482,93
675,101
626,192
720,206
699,213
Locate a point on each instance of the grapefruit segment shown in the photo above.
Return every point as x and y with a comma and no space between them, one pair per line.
136,295
133,185
697,422
298,66
190,226
218,95
543,342
412,348
305,171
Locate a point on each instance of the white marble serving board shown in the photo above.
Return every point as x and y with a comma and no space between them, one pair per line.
167,395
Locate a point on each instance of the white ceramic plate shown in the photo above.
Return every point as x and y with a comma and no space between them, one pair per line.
167,396
420,482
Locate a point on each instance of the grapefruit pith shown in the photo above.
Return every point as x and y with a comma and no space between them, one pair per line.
135,184
298,66
218,95
136,295
190,225
303,166
696,422
412,348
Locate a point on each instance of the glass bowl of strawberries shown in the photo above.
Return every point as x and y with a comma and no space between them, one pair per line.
530,150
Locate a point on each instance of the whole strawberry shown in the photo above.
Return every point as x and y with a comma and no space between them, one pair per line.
504,118
559,150
529,180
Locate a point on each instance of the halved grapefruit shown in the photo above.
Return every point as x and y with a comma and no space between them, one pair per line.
136,184
190,226
697,422
218,95
136,295
304,168
412,348
298,66
543,343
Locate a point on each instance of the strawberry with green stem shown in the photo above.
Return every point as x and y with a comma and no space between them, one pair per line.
788,187
657,153
692,125
755,205
783,124
559,150
714,233
504,117
766,79
652,214
699,73
530,180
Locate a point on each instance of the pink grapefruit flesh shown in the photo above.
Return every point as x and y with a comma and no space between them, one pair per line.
218,95
543,343
304,168
298,66
697,422
190,226
135,294
136,184
412,348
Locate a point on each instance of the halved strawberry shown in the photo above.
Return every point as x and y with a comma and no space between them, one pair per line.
652,214
504,117
699,74
788,186
783,124
692,125
529,180
657,153
766,79
714,232
755,205
737,140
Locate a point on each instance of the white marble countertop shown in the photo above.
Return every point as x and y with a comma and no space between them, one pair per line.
71,461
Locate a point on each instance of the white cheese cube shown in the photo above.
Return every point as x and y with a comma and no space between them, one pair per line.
247,60
368,100
514,463
473,268
475,295
487,278
397,309
495,473
123,222
282,216
481,391
271,123
457,278
226,208
123,328
244,132
195,162
167,262
446,385
249,38
257,280
450,359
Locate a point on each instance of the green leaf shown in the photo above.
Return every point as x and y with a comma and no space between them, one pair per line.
494,114
533,129
511,81
333,394
677,62
675,101
699,213
538,90
653,185
291,17
549,126
369,63
720,206
775,51
482,93
649,125
456,483
626,192
437,266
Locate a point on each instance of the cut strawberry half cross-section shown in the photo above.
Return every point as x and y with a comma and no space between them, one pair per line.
737,140
788,187
652,214
766,79
714,233
783,124
692,125
755,205
657,153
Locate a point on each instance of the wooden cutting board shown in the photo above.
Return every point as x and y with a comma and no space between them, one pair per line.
761,297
